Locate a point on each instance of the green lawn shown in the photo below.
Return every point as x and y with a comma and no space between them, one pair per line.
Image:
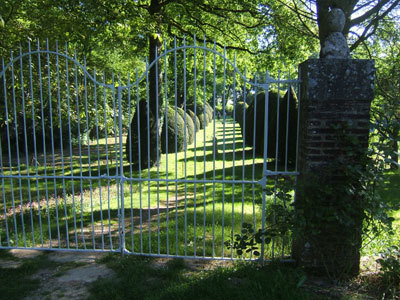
169,216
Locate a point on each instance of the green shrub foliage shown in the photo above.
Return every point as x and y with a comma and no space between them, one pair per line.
173,127
201,113
189,125
240,107
195,119
147,158
255,114
210,112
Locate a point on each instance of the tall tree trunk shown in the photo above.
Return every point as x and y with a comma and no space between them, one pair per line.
150,112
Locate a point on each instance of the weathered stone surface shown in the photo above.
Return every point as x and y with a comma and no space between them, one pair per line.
336,20
337,79
335,46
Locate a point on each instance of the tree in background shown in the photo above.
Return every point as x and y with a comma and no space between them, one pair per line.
385,49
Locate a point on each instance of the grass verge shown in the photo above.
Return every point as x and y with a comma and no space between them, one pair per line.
143,278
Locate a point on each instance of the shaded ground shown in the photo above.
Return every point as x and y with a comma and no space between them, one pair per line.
70,275
67,275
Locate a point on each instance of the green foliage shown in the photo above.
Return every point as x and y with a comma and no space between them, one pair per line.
189,125
141,139
390,268
280,220
195,119
203,113
173,131
255,117
240,110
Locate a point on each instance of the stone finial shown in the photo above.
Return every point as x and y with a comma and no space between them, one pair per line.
336,20
335,44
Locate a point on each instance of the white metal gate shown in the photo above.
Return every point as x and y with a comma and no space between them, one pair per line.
79,173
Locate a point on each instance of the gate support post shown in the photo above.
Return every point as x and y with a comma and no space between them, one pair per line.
334,127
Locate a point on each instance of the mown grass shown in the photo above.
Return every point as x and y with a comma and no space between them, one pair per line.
140,278
171,216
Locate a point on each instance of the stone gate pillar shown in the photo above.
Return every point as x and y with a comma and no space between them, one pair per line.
334,129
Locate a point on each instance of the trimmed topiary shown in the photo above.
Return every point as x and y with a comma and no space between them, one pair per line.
209,111
201,113
240,107
195,119
258,119
173,130
189,125
148,147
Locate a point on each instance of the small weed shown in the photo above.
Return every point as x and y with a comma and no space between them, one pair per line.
390,268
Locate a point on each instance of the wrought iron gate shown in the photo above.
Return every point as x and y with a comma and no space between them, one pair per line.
80,169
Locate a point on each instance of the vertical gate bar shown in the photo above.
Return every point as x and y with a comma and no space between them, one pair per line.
244,145
117,174
214,145
9,155
287,122
204,147
176,147
184,103
4,196
107,161
195,147
148,159
297,146
1,157
129,149
234,150
79,144
88,151
278,102
98,158
70,144
265,165
139,143
61,141
276,159
139,148
26,144
298,125
52,141
44,143
254,157
223,155
130,159
17,151
158,158
166,138
121,168
286,147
